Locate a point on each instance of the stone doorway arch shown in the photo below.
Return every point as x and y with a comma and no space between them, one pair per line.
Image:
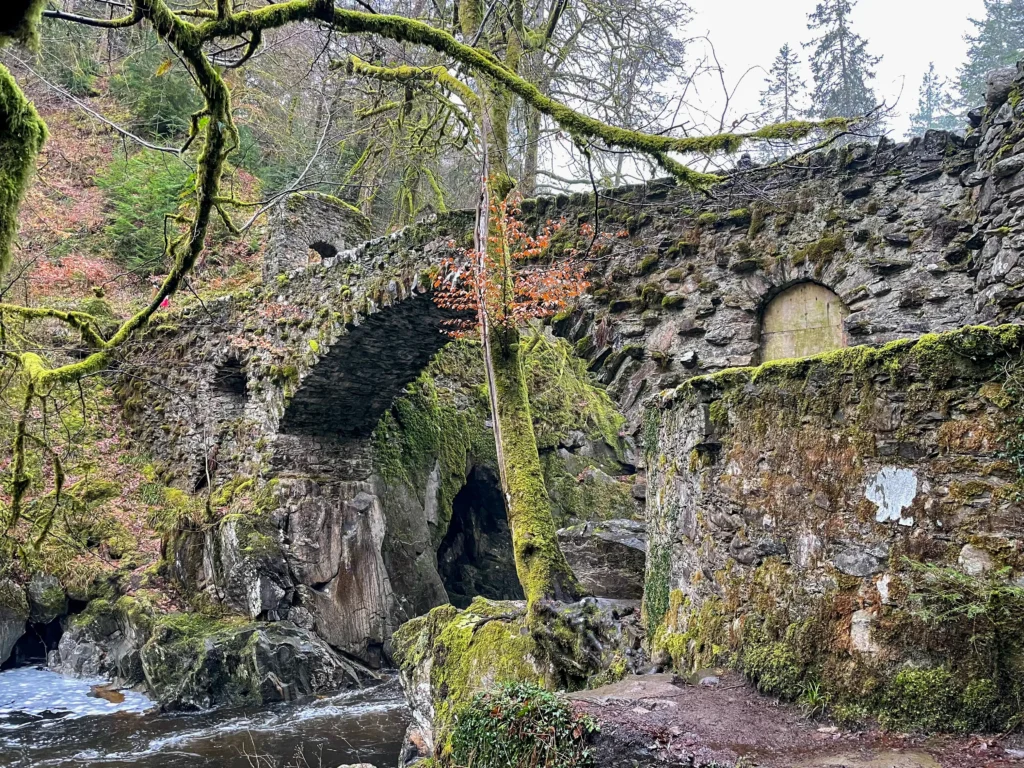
803,320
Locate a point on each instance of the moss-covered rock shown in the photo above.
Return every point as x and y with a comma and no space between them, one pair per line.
194,662
449,656
46,599
773,549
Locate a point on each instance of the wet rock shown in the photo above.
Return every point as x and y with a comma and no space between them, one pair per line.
253,663
857,561
104,641
14,613
565,645
607,556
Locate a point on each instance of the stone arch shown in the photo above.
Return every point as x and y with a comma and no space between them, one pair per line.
801,320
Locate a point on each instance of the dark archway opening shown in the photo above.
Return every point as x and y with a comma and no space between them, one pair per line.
40,638
475,556
32,647
230,380
324,250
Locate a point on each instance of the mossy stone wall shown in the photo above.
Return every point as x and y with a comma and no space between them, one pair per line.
843,527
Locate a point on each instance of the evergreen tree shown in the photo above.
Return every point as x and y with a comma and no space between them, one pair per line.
934,106
782,98
840,63
997,42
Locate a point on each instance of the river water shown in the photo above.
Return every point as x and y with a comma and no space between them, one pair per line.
49,721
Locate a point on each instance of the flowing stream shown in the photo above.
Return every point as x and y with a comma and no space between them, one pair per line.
47,720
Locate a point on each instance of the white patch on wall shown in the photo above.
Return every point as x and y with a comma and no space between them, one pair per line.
892,490
882,585
861,626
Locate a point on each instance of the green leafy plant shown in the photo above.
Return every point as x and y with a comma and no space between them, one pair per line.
520,725
990,608
157,89
141,191
71,56
813,699
982,617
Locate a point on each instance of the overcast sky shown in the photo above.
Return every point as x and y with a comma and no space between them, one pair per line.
906,33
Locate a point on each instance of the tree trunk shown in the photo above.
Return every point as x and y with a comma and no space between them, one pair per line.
529,182
540,564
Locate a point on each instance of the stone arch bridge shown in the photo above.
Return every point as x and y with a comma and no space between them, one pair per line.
280,387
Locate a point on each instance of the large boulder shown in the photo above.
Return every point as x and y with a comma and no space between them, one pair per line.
607,557
13,615
448,656
46,599
191,661
196,665
105,640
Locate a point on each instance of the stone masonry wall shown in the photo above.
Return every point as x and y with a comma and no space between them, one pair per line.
309,227
806,516
263,397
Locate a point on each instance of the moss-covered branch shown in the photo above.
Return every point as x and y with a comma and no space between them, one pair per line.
22,136
402,29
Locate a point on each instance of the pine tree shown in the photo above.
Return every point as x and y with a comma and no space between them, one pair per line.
998,42
782,98
840,63
935,108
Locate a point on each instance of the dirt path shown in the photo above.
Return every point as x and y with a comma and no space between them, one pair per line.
658,720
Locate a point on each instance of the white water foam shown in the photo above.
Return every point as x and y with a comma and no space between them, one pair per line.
36,691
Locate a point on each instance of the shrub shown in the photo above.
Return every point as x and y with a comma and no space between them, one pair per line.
520,725
141,191
71,56
157,89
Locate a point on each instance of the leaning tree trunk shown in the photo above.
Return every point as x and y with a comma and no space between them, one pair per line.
540,564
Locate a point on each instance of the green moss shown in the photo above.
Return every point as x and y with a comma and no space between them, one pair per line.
540,564
21,139
651,295
741,216
757,219
820,252
773,664
718,413
923,699
284,374
656,587
564,397
708,219
19,22
590,498
426,425
673,301
964,354
472,650
648,264
95,490
694,640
